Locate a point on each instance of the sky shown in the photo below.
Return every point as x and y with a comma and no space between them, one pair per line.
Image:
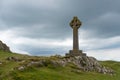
41,27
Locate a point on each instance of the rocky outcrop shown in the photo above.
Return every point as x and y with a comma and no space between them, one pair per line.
4,47
86,63
14,59
81,63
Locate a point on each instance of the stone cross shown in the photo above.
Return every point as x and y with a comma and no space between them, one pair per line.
75,24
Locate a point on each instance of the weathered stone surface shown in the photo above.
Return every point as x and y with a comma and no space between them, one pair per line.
86,63
21,68
13,59
75,24
4,47
82,63
42,63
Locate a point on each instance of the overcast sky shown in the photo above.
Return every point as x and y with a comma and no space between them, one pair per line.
41,27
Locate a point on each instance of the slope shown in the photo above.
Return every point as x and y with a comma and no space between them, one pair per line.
9,69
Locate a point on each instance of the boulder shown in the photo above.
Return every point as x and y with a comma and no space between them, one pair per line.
21,68
14,59
4,47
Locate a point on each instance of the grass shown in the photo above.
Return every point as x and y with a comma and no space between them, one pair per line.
7,71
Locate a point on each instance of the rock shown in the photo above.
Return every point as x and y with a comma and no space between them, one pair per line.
57,56
37,64
4,47
80,63
21,68
86,63
57,63
13,59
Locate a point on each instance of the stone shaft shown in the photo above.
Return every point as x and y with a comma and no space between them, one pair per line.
75,39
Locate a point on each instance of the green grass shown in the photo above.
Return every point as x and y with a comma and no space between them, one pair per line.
7,71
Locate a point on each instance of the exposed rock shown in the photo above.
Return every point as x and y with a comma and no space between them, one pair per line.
13,59
82,63
86,63
37,64
42,63
4,47
21,68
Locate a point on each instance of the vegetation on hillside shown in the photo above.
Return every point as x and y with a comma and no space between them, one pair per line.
8,70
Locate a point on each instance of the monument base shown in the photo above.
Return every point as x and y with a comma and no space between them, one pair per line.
73,53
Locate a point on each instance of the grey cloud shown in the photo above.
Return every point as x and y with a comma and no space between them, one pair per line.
32,19
41,50
104,26
26,14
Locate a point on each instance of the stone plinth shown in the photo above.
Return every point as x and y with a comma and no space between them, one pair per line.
75,53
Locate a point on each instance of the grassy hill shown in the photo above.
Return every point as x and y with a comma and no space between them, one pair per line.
8,70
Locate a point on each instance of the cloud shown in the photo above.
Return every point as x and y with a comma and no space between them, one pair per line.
27,12
34,18
41,27
26,15
105,26
103,43
105,54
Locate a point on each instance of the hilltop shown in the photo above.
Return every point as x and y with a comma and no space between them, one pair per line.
13,67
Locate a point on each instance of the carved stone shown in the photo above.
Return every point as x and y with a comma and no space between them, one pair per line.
75,24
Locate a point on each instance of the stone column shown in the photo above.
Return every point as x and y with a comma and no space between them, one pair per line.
75,39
